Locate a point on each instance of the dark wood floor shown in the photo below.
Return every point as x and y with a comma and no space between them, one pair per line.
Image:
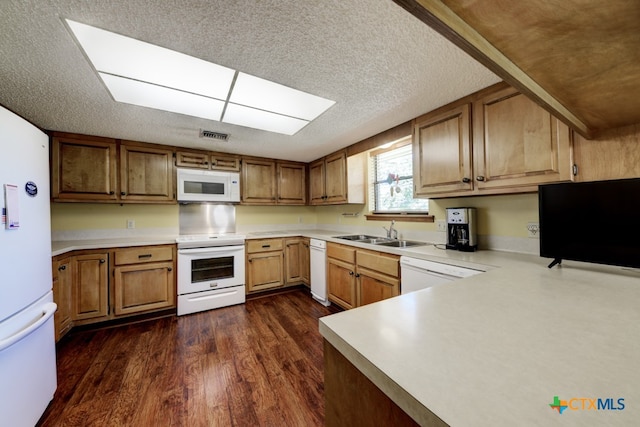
256,364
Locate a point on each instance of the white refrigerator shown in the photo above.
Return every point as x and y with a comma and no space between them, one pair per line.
27,343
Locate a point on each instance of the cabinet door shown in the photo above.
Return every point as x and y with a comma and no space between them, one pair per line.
143,287
442,153
293,267
146,174
90,286
614,154
342,283
225,163
62,282
305,265
264,271
517,143
292,184
336,178
83,170
189,159
316,182
374,287
258,182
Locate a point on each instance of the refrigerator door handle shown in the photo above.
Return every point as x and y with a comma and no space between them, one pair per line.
47,311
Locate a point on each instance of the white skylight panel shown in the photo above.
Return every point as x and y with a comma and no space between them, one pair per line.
162,98
123,56
151,76
266,95
264,120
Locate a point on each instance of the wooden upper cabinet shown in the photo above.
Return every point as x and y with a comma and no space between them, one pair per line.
83,169
258,181
338,179
317,182
614,154
224,162
146,174
517,143
442,153
206,160
291,183
192,159
270,182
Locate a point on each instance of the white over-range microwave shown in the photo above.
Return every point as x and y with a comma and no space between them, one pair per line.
207,186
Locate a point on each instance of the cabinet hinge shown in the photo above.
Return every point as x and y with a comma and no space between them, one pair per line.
575,169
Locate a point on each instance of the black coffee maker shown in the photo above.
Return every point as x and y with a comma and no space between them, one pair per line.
461,229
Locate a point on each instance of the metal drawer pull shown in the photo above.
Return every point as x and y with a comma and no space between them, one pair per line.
102,261
62,267
213,285
266,246
144,256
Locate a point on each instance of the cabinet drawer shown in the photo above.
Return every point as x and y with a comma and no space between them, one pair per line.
264,245
143,254
387,264
343,253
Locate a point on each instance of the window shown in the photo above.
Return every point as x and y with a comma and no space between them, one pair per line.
393,180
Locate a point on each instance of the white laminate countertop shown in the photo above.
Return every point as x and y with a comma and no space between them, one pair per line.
59,247
494,349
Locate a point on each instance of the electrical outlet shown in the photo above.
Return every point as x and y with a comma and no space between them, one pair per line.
533,228
442,225
131,223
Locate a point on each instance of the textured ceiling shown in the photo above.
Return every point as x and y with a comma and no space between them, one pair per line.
380,64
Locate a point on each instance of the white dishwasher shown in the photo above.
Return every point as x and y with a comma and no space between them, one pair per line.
318,261
416,274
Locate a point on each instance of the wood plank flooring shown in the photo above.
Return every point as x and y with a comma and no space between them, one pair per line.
256,364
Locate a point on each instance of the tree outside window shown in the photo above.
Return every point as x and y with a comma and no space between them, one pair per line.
393,180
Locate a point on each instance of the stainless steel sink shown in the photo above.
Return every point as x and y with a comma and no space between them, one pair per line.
376,241
401,243
383,241
358,237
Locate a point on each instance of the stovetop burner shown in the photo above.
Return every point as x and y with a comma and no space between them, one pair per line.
209,240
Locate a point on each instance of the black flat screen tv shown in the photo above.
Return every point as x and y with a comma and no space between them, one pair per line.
596,222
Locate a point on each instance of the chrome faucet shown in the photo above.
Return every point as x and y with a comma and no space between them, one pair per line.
392,233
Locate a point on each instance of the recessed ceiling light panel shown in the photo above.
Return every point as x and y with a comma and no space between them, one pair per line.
264,120
162,98
151,76
123,56
266,95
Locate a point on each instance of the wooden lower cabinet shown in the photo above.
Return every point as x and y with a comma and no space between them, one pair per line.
357,277
90,283
296,261
305,261
374,287
265,271
341,282
143,279
276,263
62,296
352,399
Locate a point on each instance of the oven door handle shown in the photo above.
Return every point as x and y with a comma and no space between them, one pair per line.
210,249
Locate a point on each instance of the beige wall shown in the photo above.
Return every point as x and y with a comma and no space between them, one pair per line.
505,216
87,216
497,215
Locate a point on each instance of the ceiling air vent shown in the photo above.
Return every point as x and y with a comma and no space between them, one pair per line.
209,134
